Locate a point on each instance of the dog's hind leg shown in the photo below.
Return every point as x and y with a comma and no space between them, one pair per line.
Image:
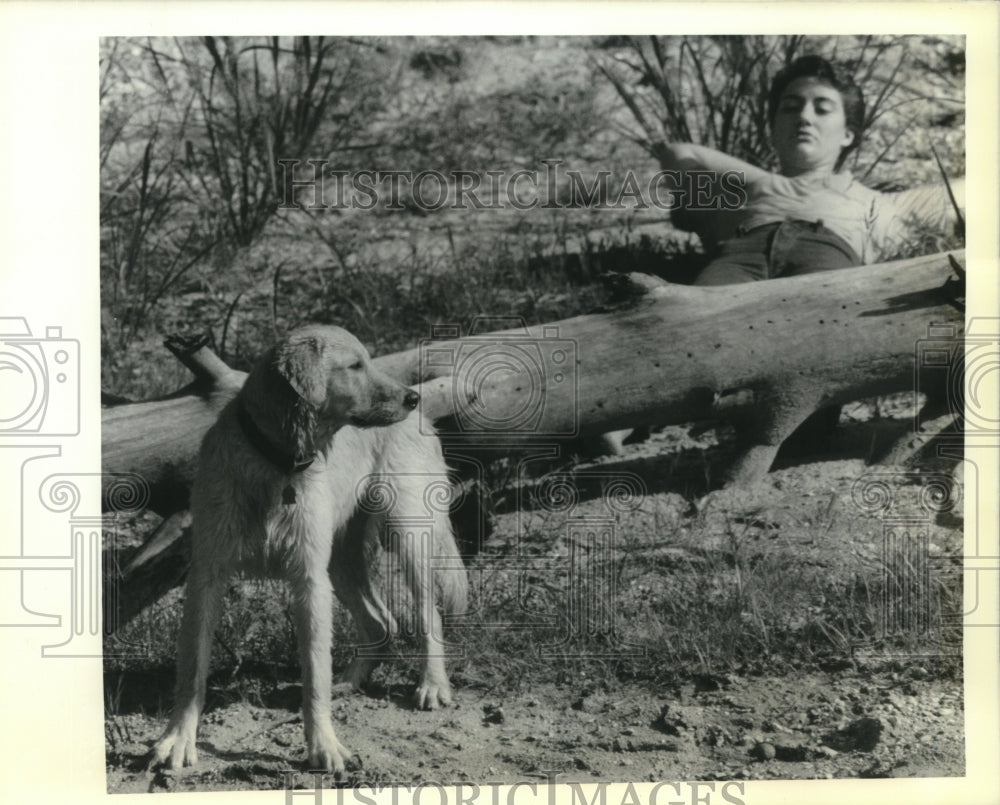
414,542
352,567
450,574
206,586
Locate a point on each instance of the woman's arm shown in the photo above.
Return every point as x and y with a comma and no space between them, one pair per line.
899,222
685,157
932,205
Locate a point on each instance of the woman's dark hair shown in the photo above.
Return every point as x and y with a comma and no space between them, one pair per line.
820,68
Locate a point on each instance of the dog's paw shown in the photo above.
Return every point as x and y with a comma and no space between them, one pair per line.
431,695
326,753
176,748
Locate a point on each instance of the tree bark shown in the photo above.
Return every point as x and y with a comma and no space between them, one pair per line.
769,352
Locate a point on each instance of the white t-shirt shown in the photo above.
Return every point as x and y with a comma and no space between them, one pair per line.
877,225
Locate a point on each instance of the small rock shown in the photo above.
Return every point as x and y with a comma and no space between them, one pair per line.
792,754
589,704
675,719
862,735
493,714
716,736
763,750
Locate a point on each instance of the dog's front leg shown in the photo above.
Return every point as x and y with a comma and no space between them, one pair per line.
202,604
314,624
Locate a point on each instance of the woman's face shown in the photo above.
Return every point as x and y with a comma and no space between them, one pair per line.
809,128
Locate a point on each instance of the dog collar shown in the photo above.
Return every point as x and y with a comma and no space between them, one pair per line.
286,462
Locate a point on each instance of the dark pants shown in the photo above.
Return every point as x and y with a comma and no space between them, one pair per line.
782,249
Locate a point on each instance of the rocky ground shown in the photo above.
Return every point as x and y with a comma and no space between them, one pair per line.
865,712
853,722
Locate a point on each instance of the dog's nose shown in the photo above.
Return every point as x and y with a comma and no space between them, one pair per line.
411,399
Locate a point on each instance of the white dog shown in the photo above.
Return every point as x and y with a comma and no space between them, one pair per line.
277,492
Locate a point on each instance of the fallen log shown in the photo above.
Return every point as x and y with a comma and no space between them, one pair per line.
765,354
154,570
159,439
674,354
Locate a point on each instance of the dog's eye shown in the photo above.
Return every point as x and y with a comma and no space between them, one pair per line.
356,366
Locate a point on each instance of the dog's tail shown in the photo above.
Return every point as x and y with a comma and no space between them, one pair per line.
451,577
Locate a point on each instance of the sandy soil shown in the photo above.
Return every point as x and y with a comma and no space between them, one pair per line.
865,715
849,723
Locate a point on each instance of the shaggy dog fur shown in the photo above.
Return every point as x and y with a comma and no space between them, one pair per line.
280,478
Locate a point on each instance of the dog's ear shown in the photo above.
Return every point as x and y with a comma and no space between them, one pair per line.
300,362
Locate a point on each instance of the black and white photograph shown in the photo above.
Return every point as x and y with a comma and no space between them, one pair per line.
608,415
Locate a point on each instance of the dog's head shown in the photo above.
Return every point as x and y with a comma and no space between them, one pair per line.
331,370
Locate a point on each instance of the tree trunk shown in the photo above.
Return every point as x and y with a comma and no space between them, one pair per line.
770,352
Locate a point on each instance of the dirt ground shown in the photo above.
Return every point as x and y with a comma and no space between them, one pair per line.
863,715
849,723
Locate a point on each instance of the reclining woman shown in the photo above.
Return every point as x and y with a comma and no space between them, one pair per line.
812,216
